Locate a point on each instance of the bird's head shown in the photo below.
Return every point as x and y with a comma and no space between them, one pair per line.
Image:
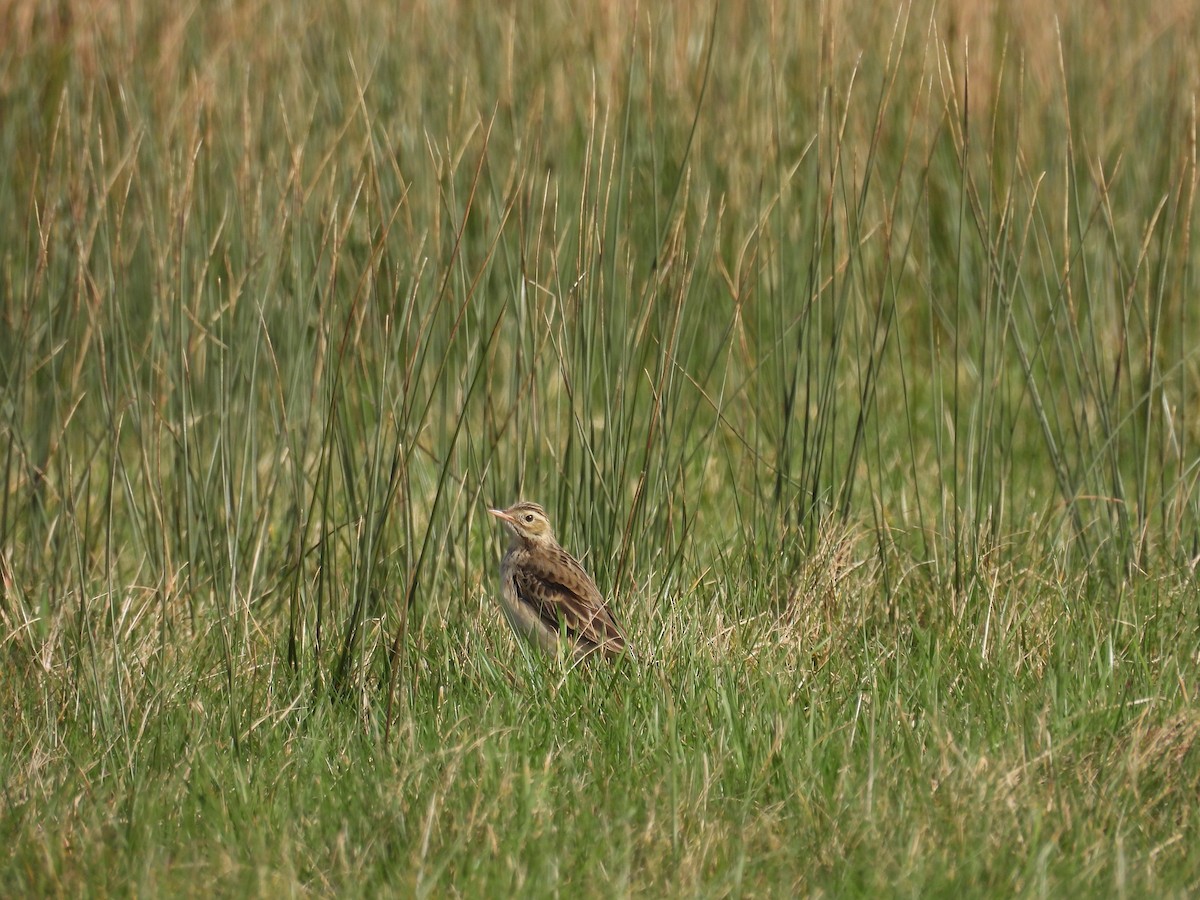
526,521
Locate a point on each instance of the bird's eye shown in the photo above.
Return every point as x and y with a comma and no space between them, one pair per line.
528,517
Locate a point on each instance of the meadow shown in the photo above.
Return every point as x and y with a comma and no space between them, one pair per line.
854,348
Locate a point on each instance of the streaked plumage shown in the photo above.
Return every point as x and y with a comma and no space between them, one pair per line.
545,593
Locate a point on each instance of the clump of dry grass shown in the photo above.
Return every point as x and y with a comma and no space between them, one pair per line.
1161,759
833,592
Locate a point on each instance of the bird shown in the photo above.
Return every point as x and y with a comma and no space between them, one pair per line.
547,596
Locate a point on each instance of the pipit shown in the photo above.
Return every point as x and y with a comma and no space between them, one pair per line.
545,593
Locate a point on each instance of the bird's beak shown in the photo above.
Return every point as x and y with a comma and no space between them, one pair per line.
502,516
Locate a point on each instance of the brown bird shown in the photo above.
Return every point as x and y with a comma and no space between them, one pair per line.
545,593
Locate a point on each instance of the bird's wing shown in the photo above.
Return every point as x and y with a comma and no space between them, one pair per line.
565,597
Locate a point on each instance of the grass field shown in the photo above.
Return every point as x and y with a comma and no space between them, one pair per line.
856,350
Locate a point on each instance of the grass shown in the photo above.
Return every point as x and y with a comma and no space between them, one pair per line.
854,351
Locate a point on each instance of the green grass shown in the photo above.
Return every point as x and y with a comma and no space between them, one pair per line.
855,354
